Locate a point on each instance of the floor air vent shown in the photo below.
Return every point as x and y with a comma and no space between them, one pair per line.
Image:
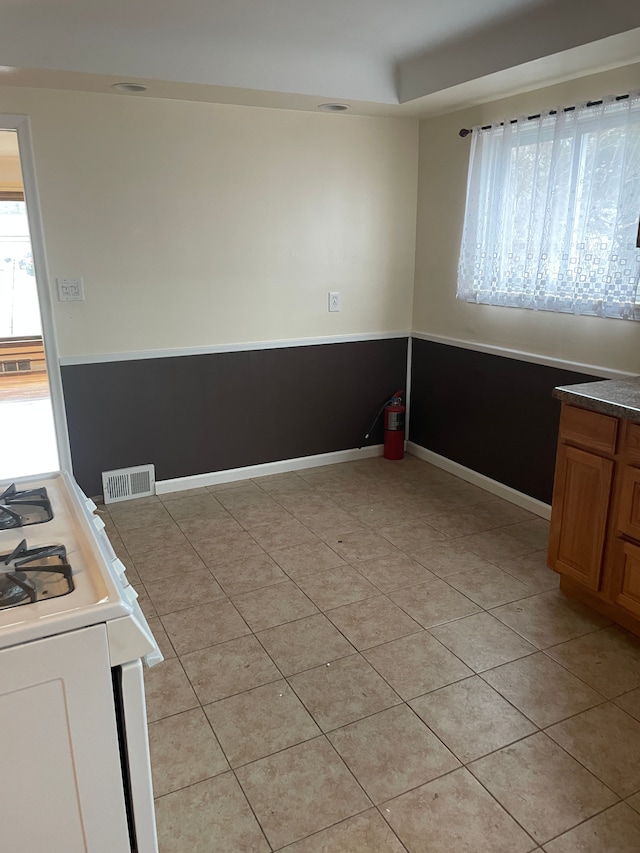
127,483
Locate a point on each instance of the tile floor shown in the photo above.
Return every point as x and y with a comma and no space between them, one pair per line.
374,657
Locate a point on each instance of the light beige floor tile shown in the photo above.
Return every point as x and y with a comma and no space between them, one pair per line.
229,668
630,702
161,637
463,521
167,563
217,524
329,522
301,790
608,660
266,512
471,718
282,534
219,550
260,722
300,560
168,497
341,692
634,802
213,812
205,625
616,830
155,537
237,492
489,587
481,641
307,503
335,587
184,750
167,690
433,602
288,483
305,643
121,552
194,506
448,558
607,742
360,545
454,814
544,789
416,664
542,689
144,601
185,590
411,536
549,618
384,513
248,574
391,752
497,544
531,569
393,572
274,605
372,622
130,515
534,532
364,833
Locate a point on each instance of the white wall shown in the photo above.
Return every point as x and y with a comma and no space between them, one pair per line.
444,156
199,224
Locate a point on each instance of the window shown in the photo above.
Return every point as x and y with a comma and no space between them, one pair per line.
552,210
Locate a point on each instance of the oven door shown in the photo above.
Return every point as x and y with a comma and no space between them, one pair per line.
131,715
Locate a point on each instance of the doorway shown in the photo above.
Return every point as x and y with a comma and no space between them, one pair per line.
29,439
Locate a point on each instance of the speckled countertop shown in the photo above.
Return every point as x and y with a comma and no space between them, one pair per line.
618,397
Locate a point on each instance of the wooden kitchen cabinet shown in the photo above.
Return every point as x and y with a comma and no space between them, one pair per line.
594,540
581,508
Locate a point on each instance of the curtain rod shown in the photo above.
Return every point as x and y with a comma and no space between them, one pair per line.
465,131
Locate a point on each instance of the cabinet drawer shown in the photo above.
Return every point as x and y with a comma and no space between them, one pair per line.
589,429
629,515
627,591
633,443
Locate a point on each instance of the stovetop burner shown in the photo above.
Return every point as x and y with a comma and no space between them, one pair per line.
25,507
28,575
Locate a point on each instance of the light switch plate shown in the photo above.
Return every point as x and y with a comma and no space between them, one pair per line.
70,289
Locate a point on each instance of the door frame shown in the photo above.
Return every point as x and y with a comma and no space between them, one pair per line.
21,124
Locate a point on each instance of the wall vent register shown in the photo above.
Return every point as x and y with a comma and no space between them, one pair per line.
125,483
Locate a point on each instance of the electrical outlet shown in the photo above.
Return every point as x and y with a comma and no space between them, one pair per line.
334,300
70,289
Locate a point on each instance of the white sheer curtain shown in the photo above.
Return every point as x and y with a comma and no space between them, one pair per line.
552,212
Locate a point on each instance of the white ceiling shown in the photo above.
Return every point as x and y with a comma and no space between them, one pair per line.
402,57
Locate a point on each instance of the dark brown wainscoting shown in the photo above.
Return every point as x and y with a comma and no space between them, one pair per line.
203,413
490,413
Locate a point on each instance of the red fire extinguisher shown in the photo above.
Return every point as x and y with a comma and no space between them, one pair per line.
394,413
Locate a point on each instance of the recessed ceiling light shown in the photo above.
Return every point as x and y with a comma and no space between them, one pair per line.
7,69
129,87
333,108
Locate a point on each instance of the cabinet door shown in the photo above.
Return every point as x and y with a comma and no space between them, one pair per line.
629,518
581,496
626,592
61,782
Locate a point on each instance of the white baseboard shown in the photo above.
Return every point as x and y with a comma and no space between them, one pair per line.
519,498
231,475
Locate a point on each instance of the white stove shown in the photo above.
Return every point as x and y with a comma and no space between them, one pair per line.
101,592
72,641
